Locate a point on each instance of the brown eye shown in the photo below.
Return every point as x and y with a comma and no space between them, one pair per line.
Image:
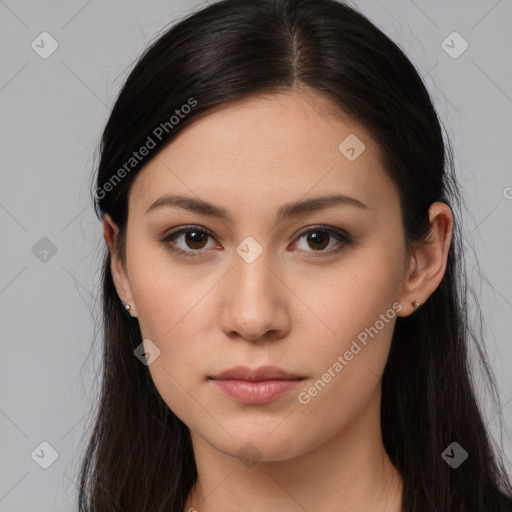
318,239
191,242
188,241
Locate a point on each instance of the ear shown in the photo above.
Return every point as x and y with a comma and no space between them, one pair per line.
428,261
119,275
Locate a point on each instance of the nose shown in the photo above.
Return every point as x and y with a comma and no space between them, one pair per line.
255,301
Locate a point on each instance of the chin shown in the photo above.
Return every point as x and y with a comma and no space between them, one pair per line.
257,445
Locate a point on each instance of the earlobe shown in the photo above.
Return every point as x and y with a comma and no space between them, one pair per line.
129,309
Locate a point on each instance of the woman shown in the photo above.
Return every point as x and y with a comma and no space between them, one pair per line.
284,293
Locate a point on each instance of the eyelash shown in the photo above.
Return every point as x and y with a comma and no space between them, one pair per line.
342,238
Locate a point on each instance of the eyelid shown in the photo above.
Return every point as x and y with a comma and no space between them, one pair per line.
322,227
189,227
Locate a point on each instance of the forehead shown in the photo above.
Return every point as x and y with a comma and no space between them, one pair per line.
285,145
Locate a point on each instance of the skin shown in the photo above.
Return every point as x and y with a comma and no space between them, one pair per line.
284,309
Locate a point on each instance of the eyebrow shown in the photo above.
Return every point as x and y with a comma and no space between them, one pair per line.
286,211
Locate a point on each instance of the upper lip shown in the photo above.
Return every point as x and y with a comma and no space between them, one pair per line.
256,374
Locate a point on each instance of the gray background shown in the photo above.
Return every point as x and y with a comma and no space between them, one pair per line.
53,111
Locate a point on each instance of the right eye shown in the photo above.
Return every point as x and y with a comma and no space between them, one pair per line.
192,239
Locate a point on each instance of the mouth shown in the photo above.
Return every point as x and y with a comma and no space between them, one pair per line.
255,386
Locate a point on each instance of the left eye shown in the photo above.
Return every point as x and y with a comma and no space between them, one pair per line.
194,238
319,239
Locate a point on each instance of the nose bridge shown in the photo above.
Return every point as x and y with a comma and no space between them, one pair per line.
254,301
253,277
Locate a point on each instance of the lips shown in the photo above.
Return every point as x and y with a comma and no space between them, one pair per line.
255,386
257,374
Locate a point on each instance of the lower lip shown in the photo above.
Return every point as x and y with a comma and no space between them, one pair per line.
255,392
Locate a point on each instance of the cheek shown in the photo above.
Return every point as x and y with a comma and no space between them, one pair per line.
352,299
347,366
164,292
172,315
351,336
172,309
171,320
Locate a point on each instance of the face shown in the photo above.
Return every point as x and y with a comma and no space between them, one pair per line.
313,290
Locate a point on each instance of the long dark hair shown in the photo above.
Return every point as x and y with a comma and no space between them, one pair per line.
139,456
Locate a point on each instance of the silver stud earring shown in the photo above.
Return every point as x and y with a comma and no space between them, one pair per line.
416,304
128,308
